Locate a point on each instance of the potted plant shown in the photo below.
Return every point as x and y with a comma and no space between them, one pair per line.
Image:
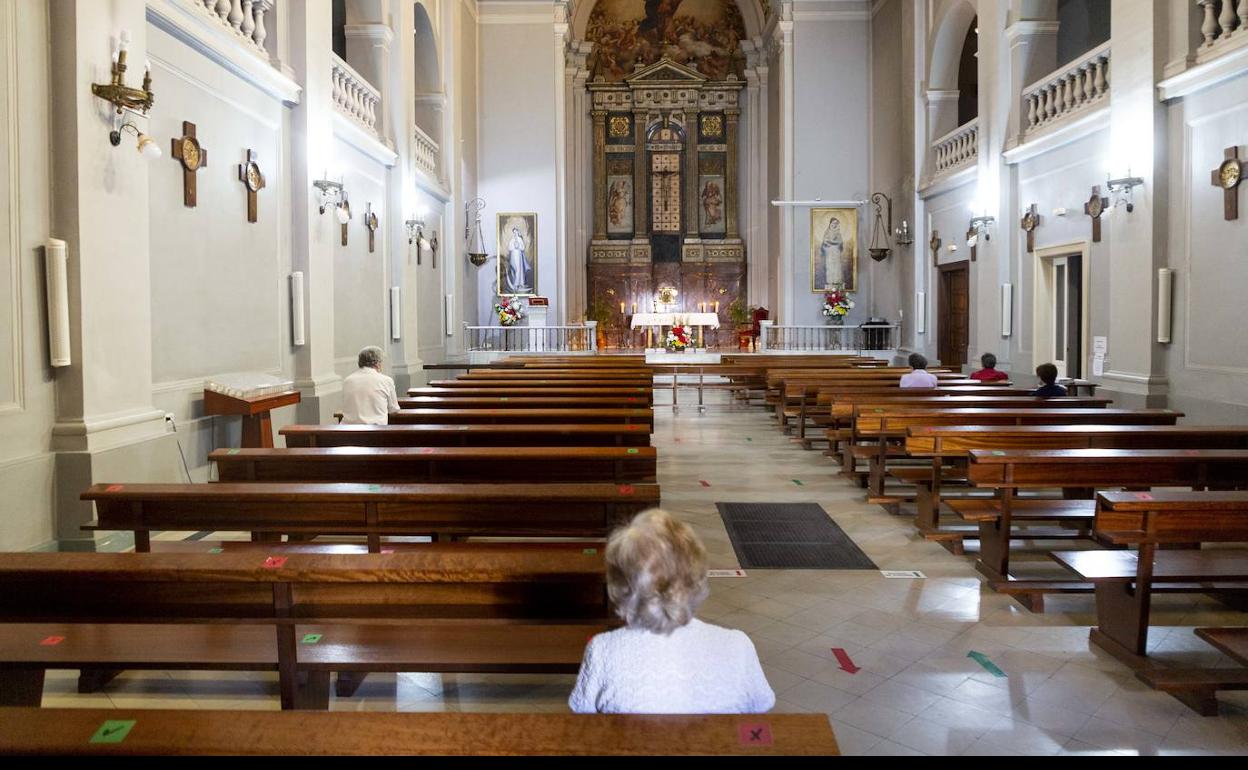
600,310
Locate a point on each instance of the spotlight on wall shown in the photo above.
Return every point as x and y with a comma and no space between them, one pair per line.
977,228
1122,190
331,194
416,231
344,211
473,236
147,146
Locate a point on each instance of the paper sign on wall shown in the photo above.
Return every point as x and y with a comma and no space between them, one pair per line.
1100,346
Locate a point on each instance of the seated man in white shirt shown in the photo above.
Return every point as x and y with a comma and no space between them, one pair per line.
368,396
920,377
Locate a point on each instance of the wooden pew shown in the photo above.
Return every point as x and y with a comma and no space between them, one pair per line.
1074,471
549,434
952,444
1125,581
373,510
401,465
521,416
871,440
310,733
646,394
520,375
633,401
503,382
480,607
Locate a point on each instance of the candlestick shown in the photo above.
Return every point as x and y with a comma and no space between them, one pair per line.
634,308
621,308
717,307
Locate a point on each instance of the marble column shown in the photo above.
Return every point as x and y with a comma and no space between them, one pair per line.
691,175
600,174
368,52
641,195
732,117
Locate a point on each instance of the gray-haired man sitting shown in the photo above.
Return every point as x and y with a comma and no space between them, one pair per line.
368,396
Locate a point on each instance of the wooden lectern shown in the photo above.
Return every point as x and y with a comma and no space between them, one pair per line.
257,425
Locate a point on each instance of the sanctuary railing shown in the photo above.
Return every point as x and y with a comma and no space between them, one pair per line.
532,339
354,96
1068,90
958,148
796,338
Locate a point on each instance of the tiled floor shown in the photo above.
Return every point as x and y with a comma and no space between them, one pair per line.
917,691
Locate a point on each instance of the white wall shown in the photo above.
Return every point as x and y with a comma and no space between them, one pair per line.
517,145
361,289
831,158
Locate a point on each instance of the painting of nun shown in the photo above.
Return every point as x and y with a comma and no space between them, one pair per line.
833,249
517,255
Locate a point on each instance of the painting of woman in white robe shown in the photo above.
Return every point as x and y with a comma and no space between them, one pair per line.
517,255
833,249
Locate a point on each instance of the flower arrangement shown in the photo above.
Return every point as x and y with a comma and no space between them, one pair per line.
679,338
837,304
509,311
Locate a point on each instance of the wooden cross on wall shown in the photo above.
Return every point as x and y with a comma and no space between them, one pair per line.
347,208
1029,223
186,150
249,174
433,249
370,221
934,245
1094,208
1228,175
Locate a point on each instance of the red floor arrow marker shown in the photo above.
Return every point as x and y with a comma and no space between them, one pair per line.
705,483
842,657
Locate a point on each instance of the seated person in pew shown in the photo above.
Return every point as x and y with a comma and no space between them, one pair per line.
989,372
920,377
1048,379
368,396
664,660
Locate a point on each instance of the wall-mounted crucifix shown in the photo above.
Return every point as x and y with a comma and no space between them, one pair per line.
249,174
346,207
1029,223
370,221
1094,208
433,249
934,245
186,151
1228,175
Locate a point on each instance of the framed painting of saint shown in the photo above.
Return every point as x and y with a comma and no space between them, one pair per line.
517,255
711,202
833,249
619,205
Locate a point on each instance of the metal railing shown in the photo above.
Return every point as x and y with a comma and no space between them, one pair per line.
532,339
354,96
244,17
958,148
1068,90
798,338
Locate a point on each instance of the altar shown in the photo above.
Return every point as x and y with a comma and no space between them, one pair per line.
653,322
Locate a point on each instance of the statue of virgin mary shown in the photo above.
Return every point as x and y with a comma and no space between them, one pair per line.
518,272
832,252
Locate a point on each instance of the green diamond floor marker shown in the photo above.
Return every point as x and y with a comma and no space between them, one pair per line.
747,438
233,451
988,665
589,551
215,550
113,731
798,482
310,639
633,451
374,487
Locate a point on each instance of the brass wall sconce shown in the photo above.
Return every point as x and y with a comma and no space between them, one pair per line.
126,98
473,236
416,234
880,248
333,194
1122,188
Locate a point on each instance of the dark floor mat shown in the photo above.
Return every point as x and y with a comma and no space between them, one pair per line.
789,536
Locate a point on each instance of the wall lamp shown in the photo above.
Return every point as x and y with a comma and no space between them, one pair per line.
979,226
126,98
472,232
416,234
880,248
903,235
1122,188
333,194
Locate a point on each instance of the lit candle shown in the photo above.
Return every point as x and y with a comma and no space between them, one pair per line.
621,307
701,307
717,307
634,308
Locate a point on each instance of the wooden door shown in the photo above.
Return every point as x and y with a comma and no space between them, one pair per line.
954,319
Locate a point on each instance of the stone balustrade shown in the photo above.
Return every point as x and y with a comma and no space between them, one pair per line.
245,18
1224,21
957,148
354,96
425,151
1067,90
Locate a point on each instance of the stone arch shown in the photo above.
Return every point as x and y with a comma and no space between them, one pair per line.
751,13
427,75
952,21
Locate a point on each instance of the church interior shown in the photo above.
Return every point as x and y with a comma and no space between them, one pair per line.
352,345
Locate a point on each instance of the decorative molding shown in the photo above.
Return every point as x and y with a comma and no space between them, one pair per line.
192,28
944,184
13,155
491,12
267,121
1226,67
355,135
108,431
1042,142
1030,27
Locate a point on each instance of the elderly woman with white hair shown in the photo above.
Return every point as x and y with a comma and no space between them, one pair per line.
666,661
368,396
